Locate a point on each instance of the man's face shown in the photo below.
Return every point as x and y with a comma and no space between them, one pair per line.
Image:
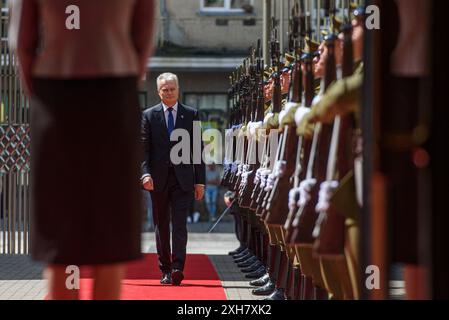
268,90
320,61
339,49
168,92
357,39
285,81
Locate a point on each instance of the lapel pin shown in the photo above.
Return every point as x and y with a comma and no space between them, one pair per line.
182,116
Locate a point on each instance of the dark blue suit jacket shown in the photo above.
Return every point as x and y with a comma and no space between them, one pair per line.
157,146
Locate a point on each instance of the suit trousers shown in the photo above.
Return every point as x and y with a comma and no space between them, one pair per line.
172,203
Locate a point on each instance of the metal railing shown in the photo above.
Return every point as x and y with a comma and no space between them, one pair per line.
14,152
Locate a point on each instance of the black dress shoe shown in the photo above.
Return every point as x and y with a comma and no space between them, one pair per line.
166,278
256,274
253,267
244,258
261,281
237,251
245,253
241,254
245,250
278,294
265,290
247,262
176,277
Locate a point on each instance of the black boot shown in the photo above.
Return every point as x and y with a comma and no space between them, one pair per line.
265,290
243,258
261,281
237,251
278,294
248,262
256,274
253,267
242,253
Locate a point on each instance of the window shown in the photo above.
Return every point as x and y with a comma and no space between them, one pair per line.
212,107
227,5
143,99
208,101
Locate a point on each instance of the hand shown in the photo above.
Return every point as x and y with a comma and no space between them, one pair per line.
147,183
199,192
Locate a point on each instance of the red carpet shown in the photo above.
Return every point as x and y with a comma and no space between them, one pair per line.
200,282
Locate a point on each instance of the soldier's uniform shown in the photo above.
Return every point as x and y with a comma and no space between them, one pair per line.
338,277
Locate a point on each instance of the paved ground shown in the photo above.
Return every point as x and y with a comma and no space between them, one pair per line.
21,278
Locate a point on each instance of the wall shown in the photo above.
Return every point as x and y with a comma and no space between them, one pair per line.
199,82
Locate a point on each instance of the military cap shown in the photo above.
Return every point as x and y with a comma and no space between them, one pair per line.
335,27
331,37
353,5
311,45
267,73
336,24
289,59
359,12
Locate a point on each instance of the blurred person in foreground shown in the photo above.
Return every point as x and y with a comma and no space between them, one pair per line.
80,65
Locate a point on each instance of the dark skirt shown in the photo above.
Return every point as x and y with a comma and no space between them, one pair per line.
85,156
403,97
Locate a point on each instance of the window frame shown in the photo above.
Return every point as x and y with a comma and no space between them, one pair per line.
185,94
225,8
143,94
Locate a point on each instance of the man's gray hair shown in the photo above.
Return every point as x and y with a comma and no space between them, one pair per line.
167,76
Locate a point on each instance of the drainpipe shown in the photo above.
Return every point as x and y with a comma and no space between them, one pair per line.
164,35
281,25
266,30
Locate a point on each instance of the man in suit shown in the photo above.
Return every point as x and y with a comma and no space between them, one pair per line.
172,186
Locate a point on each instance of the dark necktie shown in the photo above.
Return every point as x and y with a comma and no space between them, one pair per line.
170,122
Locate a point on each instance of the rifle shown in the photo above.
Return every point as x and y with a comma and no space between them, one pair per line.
228,135
298,83
276,101
257,115
245,106
260,113
306,216
302,219
277,207
330,227
236,129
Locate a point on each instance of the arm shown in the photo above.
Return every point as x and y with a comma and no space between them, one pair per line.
146,144
142,32
24,37
341,98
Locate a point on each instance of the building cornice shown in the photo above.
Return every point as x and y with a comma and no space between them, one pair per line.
194,63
